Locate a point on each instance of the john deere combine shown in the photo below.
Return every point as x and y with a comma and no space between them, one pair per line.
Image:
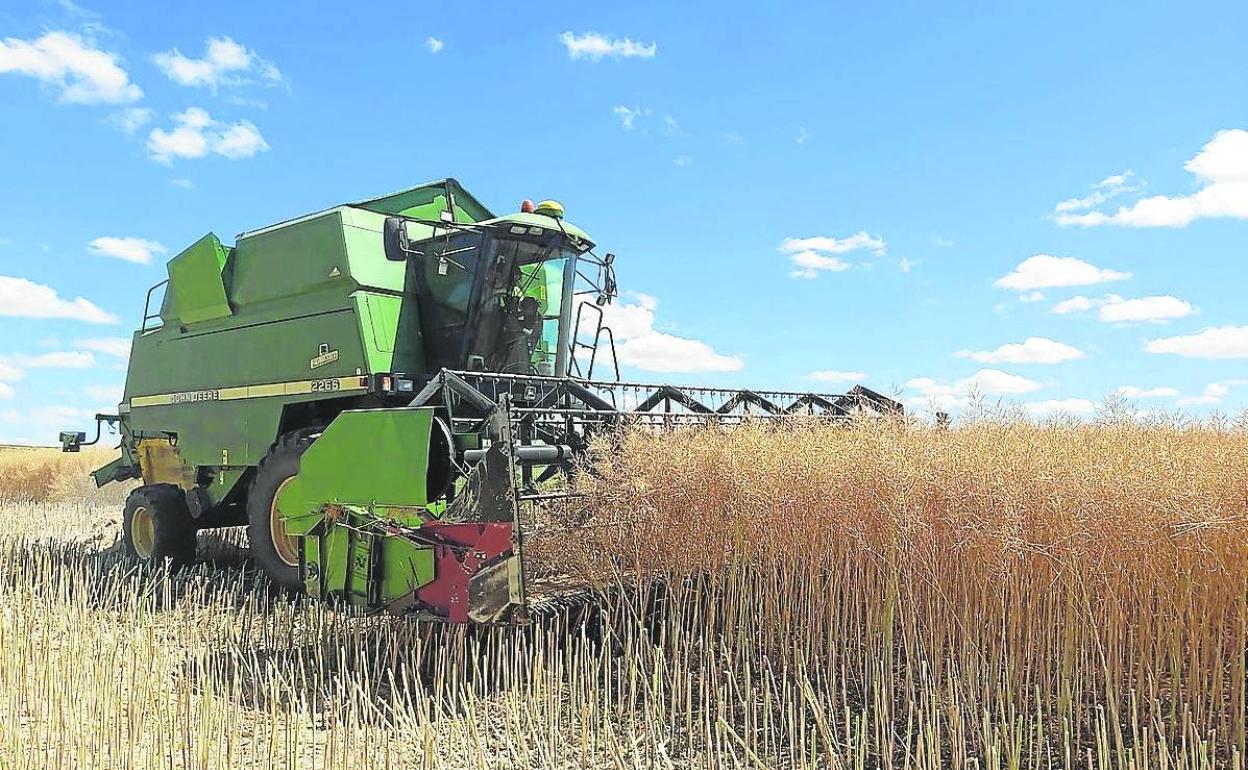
380,391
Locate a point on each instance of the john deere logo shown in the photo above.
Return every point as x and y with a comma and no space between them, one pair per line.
324,356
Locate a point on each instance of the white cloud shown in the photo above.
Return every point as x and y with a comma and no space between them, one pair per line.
22,298
1221,166
65,359
941,241
1044,271
13,367
1213,393
670,127
732,137
1134,391
859,240
1102,191
684,161
182,182
84,74
1062,406
628,115
812,255
1033,350
987,382
809,264
225,63
641,346
1213,342
137,250
594,46
1077,304
433,44
803,136
1115,309
1031,296
6,391
111,346
131,119
196,134
831,375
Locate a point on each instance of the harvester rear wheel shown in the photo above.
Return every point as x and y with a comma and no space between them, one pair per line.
156,525
271,547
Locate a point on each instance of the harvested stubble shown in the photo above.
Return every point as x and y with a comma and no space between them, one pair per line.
997,595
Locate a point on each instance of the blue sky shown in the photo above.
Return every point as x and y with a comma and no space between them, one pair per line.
1044,204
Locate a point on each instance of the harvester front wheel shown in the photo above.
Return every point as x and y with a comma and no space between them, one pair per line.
156,525
271,547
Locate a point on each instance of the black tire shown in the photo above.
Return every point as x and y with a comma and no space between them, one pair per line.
156,525
278,466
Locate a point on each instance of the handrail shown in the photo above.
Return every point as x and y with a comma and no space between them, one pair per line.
147,305
593,347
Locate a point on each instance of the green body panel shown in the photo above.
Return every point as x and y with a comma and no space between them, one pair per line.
368,466
197,284
373,458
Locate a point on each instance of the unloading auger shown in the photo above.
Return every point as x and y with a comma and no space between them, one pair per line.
380,391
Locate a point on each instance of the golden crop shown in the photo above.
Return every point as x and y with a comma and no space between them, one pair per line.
999,594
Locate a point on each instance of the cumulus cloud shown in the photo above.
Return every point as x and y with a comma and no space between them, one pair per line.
944,394
1213,342
64,359
1033,350
110,346
640,345
684,161
23,298
1110,187
1134,391
1045,271
1213,393
131,119
816,254
1076,304
1221,168
225,63
1113,308
81,73
13,367
137,250
433,44
594,47
196,134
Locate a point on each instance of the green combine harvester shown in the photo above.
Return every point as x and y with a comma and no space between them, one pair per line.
381,392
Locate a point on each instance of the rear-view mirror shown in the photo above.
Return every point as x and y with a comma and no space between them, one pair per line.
394,237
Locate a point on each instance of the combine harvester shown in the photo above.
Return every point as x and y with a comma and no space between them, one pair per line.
381,392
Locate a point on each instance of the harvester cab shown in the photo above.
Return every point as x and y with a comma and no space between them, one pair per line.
499,294
386,394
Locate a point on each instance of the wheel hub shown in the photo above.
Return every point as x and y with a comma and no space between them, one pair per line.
143,532
285,545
